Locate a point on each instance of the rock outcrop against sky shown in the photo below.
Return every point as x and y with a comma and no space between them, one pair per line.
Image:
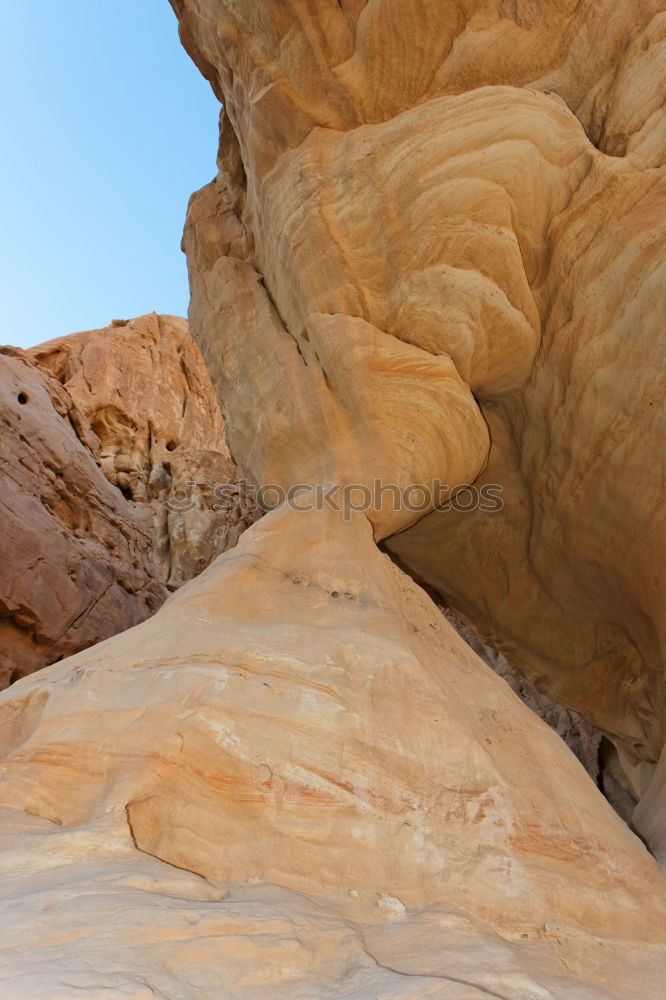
448,223
112,452
432,254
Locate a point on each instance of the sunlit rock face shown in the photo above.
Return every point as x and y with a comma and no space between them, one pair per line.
435,248
76,563
300,739
117,485
431,230
143,387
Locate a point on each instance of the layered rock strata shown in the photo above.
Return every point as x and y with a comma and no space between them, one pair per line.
76,561
440,229
117,485
300,739
432,233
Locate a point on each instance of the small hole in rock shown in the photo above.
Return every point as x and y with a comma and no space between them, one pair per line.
171,446
22,398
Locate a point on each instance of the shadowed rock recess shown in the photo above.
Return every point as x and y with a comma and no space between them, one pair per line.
433,253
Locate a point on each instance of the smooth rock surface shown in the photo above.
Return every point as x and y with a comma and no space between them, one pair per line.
302,716
435,249
581,738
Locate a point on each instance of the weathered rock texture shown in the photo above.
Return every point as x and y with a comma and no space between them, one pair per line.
76,563
435,249
297,780
113,463
143,387
581,738
432,242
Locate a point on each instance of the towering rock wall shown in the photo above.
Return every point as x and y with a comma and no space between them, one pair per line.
143,387
296,780
76,560
440,227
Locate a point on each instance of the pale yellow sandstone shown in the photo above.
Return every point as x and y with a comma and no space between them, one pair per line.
434,250
302,715
481,180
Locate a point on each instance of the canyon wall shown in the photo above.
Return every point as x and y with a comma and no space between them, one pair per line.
143,387
441,228
297,780
117,485
77,561
430,257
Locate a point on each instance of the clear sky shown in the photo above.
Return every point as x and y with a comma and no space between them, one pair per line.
107,128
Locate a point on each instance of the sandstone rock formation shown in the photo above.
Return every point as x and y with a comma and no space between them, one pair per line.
435,248
76,563
582,739
84,558
143,387
431,245
297,780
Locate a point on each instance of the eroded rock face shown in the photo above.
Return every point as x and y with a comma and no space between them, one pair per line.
435,249
117,483
143,387
411,197
76,561
582,739
302,718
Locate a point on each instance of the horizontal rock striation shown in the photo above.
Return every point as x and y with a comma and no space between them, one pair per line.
432,255
302,716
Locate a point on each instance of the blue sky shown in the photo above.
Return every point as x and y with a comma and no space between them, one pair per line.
108,128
